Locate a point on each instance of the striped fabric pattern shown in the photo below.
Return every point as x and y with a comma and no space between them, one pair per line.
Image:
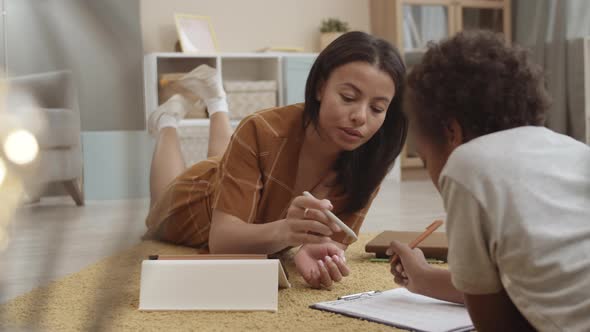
253,181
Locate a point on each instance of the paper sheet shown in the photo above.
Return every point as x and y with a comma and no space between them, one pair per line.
401,308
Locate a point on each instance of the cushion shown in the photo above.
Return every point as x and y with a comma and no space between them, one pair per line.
59,165
62,130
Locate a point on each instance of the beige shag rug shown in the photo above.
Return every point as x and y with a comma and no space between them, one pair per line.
106,295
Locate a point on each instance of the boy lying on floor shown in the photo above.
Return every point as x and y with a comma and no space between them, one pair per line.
517,194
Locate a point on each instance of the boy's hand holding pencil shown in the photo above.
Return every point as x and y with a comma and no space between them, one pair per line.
408,264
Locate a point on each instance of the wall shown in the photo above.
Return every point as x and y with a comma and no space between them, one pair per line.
100,41
242,26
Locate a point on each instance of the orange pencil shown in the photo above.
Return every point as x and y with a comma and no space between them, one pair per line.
436,224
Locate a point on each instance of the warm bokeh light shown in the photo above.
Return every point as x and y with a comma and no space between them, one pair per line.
21,119
2,171
21,147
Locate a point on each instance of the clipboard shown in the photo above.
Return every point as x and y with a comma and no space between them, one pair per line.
402,309
435,246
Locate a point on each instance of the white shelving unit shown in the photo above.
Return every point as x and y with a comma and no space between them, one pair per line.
233,66
193,133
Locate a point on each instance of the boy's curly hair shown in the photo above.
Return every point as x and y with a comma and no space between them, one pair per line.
479,81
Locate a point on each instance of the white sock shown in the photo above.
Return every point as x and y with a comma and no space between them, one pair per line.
167,121
217,104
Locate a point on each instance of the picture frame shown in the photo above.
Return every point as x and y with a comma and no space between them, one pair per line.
195,33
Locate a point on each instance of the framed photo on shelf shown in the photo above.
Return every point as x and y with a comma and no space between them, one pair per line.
195,33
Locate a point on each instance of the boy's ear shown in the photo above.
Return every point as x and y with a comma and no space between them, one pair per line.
454,133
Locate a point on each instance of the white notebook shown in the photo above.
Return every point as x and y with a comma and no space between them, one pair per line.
403,309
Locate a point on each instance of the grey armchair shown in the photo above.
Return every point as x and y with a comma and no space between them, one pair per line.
60,151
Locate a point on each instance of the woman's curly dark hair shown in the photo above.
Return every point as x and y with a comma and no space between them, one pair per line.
479,81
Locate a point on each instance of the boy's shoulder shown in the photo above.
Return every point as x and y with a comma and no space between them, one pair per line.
504,156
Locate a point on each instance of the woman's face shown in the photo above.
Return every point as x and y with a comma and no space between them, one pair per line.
353,104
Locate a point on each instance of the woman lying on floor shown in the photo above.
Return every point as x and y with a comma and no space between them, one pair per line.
517,194
247,196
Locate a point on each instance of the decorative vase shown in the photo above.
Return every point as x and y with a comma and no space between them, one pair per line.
327,37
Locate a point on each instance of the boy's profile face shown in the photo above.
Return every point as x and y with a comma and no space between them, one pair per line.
435,153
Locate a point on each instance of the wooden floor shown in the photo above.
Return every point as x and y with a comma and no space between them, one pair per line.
55,238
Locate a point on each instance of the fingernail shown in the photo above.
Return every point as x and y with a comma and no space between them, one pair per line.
321,263
329,204
344,258
328,259
335,258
